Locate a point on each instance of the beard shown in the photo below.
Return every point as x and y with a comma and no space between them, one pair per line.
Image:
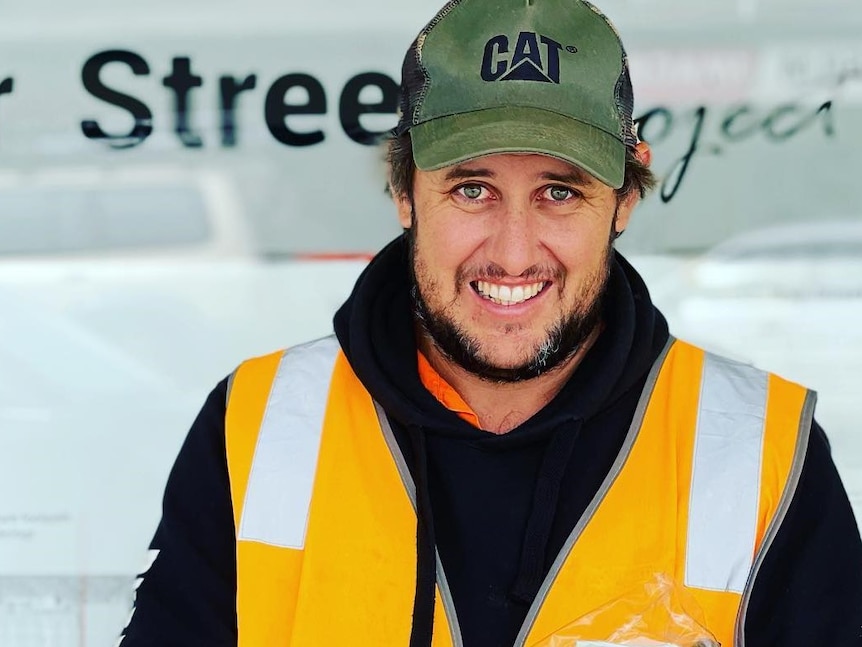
561,340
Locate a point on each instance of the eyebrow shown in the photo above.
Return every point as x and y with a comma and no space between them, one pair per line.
463,172
575,177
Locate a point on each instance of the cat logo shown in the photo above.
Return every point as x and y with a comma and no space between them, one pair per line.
527,63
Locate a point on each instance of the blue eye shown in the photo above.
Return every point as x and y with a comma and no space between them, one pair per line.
560,193
472,191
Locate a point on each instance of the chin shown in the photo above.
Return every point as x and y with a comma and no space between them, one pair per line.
503,360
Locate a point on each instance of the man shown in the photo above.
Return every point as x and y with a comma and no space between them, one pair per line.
502,437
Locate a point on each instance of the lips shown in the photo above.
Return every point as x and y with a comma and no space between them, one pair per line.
508,295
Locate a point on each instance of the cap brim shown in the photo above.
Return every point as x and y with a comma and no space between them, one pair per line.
457,138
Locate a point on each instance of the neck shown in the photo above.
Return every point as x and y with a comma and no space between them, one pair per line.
501,407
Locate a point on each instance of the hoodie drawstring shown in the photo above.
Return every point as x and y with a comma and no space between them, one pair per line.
544,508
426,545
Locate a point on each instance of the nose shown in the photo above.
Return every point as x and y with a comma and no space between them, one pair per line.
514,241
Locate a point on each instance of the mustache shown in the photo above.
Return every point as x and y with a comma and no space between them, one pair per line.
492,271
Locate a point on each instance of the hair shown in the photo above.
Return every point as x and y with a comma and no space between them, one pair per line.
402,167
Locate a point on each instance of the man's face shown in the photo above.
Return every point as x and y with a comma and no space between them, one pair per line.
511,255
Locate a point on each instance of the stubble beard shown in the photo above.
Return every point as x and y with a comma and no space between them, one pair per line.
562,339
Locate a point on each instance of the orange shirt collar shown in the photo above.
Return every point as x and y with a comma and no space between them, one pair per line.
443,391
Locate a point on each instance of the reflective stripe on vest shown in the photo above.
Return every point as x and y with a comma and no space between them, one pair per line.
735,435
280,482
725,484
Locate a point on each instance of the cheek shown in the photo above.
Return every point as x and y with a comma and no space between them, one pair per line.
582,254
433,265
445,246
575,249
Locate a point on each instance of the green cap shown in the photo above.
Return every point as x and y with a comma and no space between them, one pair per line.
502,76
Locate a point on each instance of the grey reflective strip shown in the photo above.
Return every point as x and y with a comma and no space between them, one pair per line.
610,479
801,451
407,480
725,482
229,389
285,458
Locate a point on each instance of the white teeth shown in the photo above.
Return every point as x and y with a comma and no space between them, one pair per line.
506,295
518,294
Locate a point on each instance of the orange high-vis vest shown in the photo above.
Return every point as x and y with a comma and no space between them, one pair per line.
324,503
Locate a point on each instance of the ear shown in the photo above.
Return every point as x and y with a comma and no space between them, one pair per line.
404,205
643,153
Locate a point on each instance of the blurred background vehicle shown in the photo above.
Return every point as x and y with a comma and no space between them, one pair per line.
183,185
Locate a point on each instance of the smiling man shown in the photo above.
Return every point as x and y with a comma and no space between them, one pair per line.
510,259
502,437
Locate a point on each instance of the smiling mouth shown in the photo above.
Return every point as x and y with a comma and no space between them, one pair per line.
505,295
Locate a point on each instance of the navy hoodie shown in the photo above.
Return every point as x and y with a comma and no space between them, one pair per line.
498,508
